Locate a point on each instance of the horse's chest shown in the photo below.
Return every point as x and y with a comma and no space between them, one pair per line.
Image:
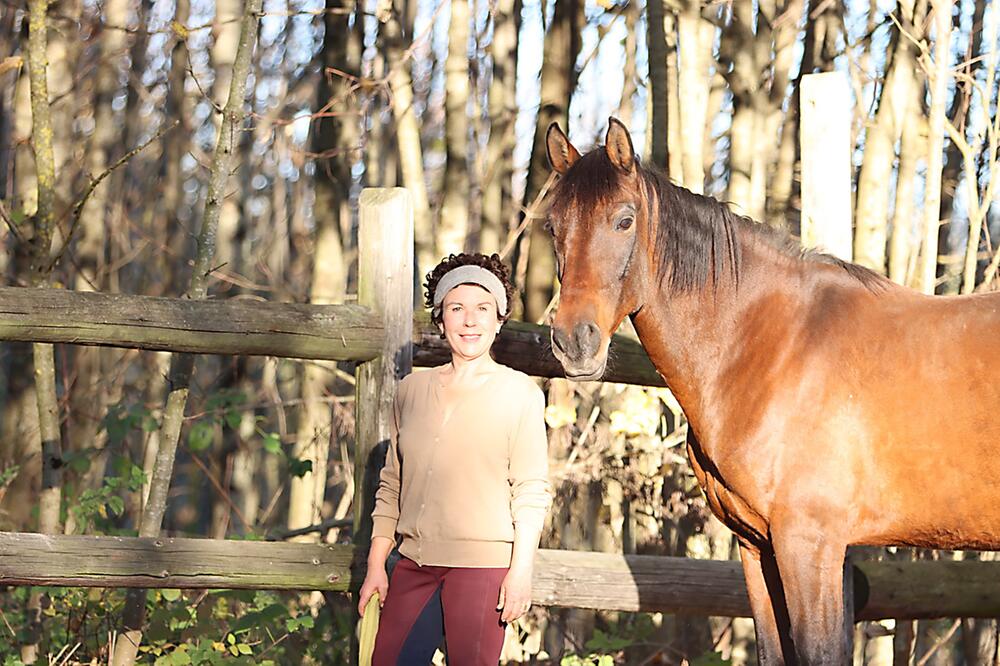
731,503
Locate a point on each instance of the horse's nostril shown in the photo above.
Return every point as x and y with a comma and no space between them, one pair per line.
560,340
587,338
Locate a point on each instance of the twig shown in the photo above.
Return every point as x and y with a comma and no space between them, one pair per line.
529,216
327,524
10,223
939,642
222,493
78,208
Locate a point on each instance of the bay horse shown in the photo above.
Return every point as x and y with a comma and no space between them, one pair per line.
827,406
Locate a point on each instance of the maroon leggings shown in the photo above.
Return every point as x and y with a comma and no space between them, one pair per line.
427,603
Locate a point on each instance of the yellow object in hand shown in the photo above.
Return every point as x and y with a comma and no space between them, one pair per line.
367,629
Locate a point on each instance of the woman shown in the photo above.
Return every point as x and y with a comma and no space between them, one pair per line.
465,484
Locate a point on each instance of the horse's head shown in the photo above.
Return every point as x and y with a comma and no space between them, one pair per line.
598,217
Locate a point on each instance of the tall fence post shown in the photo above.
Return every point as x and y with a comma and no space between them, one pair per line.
385,284
825,137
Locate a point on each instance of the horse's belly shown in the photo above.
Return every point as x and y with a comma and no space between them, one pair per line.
939,502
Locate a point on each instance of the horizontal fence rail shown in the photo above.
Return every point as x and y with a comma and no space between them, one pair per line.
600,581
526,347
292,330
289,330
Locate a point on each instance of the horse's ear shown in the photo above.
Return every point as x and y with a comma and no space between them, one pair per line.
562,154
618,145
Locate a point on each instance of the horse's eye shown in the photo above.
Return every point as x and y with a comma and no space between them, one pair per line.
547,225
624,223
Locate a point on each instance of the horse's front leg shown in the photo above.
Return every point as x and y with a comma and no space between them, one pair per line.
770,619
812,574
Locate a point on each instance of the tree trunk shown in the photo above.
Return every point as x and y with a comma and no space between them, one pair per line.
630,78
562,45
338,136
497,196
43,225
226,31
696,37
675,152
454,224
822,32
182,366
408,138
656,37
904,242
872,210
940,73
89,398
737,57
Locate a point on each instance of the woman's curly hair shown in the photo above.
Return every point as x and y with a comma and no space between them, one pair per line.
492,263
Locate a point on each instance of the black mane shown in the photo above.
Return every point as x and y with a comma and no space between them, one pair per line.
696,237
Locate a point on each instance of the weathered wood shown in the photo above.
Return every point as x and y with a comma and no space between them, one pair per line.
527,347
905,590
385,284
329,332
291,330
90,561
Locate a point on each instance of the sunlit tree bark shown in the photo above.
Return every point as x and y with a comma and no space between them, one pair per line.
940,74
336,140
498,166
454,223
408,135
562,45
696,37
884,130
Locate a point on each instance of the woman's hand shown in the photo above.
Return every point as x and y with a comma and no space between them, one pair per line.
376,580
515,594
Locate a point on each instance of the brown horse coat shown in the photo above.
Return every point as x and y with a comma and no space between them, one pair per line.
827,406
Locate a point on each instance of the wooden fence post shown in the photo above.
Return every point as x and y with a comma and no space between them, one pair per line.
385,284
825,136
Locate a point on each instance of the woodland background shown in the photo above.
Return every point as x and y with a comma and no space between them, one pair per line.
450,100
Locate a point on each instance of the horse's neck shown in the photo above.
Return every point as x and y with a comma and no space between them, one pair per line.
694,338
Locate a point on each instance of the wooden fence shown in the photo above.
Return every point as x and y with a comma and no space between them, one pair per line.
382,334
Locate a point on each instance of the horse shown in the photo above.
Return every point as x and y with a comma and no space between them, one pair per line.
827,406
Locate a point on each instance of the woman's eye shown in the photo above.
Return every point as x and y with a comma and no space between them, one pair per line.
624,223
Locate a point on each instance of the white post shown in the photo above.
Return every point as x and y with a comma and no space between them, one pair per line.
825,136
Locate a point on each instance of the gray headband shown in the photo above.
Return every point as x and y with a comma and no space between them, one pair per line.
470,274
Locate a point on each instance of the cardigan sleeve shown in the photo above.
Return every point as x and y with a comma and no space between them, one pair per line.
385,515
531,492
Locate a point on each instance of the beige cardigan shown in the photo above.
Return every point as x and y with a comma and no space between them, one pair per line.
454,491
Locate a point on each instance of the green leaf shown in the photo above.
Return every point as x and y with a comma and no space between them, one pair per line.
201,435
233,419
171,594
711,659
298,467
116,504
180,656
244,648
272,443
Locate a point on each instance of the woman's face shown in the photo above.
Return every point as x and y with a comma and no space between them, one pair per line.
469,321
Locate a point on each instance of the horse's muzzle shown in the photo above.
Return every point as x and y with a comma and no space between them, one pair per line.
580,351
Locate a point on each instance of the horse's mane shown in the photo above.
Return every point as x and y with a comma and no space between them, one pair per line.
702,238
